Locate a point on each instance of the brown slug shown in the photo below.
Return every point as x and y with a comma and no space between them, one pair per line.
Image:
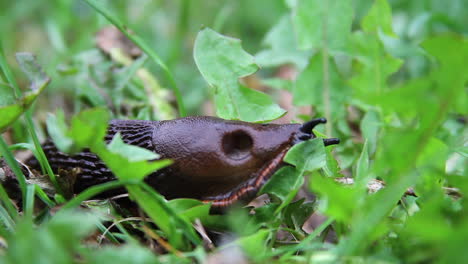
215,160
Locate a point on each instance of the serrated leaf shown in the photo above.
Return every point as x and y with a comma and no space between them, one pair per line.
28,64
11,108
222,61
309,86
282,47
375,66
320,23
379,17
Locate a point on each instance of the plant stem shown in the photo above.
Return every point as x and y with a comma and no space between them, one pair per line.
326,73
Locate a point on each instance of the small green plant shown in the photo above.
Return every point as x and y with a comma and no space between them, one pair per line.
389,76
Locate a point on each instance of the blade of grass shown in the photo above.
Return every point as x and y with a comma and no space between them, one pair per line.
95,190
8,203
287,251
137,40
109,235
189,231
43,196
29,204
11,161
6,220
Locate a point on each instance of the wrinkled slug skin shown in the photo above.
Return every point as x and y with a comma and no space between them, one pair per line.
214,159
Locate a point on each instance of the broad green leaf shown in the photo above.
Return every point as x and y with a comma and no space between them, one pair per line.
190,209
307,156
323,23
375,66
451,74
222,61
331,168
88,128
379,17
131,152
126,169
281,43
254,245
283,182
337,201
9,114
219,57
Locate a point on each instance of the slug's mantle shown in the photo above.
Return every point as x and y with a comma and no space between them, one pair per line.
215,160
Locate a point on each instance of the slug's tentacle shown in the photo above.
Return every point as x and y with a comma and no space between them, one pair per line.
308,126
331,141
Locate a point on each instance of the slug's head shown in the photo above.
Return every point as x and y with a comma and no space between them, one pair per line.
222,161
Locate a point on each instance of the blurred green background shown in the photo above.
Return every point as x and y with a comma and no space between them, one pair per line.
56,31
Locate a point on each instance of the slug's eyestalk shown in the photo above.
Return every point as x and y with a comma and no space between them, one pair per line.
308,126
331,141
306,132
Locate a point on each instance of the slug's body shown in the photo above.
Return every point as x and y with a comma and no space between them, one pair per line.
215,160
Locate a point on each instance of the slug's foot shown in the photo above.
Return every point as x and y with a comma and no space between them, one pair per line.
306,132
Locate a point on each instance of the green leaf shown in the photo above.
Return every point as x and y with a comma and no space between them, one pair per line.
57,129
28,64
10,108
125,169
308,155
451,75
283,182
99,7
8,94
88,128
379,17
362,166
131,152
281,43
375,66
254,245
57,241
323,23
222,61
337,201
308,88
370,127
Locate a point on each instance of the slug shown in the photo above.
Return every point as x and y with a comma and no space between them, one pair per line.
215,160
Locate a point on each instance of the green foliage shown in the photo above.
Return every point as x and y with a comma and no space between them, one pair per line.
390,77
222,62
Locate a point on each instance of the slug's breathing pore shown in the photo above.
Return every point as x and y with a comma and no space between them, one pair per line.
214,160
